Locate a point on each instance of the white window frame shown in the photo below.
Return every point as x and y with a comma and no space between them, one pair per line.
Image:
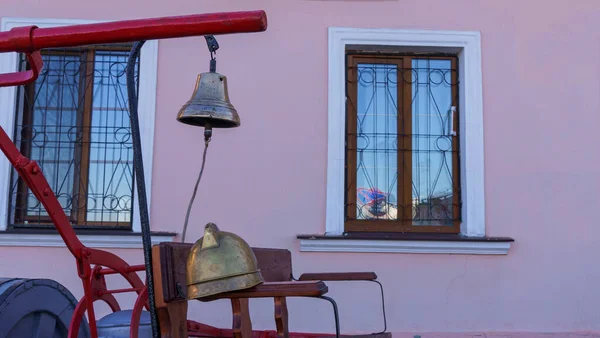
147,109
468,46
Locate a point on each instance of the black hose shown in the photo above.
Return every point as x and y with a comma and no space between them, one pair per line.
138,166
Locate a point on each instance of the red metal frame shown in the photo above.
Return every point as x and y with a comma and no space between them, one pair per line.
30,40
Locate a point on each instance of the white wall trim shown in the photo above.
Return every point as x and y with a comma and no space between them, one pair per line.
470,115
92,241
146,107
421,247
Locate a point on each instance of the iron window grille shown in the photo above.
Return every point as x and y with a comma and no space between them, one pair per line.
74,121
402,151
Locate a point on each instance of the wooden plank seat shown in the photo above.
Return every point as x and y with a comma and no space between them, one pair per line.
169,265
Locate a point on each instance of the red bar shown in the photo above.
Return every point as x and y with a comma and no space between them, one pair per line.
132,268
105,292
135,30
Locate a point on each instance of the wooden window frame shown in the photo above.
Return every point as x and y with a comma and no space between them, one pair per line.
78,215
403,224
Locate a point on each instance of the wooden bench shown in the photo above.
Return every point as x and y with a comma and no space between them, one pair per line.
169,266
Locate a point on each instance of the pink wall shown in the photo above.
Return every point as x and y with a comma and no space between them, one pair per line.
541,71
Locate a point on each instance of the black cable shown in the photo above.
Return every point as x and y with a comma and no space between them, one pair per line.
138,166
189,209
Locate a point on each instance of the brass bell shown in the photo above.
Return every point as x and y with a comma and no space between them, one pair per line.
210,104
220,262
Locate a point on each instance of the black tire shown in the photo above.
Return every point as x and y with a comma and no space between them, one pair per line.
40,308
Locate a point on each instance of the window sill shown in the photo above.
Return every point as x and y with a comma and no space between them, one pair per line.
116,239
406,243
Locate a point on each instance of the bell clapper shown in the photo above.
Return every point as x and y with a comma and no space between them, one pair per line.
207,131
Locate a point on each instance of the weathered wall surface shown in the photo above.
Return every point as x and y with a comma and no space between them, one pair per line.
266,180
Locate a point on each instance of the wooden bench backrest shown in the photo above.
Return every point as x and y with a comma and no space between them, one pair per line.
275,266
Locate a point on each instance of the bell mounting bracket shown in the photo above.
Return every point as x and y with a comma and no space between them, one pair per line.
213,45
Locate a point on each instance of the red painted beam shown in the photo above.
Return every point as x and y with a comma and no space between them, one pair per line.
28,40
132,268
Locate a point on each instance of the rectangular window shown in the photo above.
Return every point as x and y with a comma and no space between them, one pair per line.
74,121
402,152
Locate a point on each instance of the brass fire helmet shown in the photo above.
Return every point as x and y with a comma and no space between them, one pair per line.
220,262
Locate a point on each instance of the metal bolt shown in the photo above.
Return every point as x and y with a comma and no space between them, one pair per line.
35,170
46,192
